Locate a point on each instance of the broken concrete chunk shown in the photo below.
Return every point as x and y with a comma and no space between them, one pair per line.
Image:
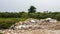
32,21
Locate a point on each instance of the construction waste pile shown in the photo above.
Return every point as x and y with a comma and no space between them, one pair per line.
31,25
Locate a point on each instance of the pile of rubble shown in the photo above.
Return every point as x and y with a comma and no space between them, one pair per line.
38,31
33,24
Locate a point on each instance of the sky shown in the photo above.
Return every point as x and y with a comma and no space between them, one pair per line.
24,5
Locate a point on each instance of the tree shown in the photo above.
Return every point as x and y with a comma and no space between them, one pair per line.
57,16
32,9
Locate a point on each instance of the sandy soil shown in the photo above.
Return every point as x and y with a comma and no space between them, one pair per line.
38,31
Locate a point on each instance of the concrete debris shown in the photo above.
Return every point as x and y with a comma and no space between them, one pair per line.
39,31
51,20
32,23
34,26
1,31
22,27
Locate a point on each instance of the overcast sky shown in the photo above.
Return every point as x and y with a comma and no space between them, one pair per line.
23,5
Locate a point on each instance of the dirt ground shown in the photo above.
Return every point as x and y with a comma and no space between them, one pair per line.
38,31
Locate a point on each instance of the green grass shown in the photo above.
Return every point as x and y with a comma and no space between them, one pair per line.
1,33
7,22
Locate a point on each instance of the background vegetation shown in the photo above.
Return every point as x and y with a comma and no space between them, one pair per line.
9,18
7,22
38,15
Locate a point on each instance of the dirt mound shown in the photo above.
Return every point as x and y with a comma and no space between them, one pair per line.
36,24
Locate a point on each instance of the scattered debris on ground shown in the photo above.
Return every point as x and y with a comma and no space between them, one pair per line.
38,31
34,25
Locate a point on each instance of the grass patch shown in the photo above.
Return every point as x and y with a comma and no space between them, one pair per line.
7,22
1,33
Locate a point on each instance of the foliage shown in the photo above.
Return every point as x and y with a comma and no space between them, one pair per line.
38,15
7,19
32,9
7,22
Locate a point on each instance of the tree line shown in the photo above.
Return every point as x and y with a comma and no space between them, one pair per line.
38,15
31,14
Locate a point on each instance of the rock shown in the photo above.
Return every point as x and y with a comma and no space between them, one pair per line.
38,31
1,31
34,26
33,23
22,27
53,21
50,20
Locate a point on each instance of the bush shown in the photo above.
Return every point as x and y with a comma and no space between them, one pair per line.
7,22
